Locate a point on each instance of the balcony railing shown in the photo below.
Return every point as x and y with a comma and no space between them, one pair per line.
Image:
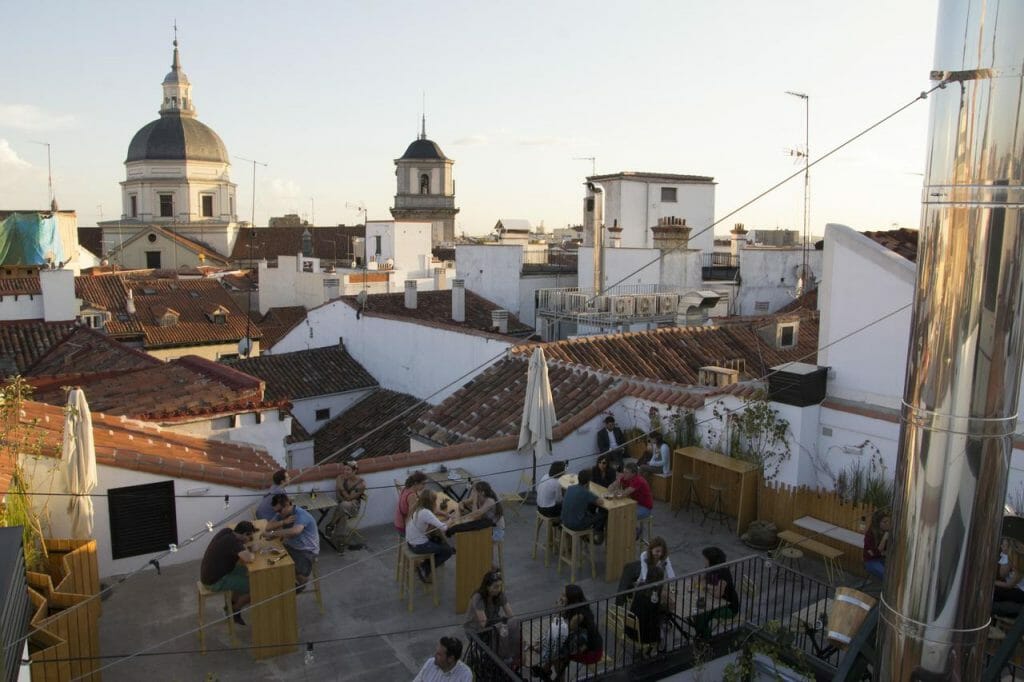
546,261
720,267
663,639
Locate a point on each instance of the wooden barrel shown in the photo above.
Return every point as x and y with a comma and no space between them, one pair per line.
849,609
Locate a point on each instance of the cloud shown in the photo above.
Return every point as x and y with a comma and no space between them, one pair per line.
471,140
9,158
284,188
541,141
31,117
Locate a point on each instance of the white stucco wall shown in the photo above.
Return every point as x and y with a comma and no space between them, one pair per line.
21,307
424,361
617,264
637,206
213,351
405,242
268,434
305,409
770,275
492,271
289,285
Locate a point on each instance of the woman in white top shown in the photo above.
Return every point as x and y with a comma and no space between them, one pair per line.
656,554
661,454
549,492
420,523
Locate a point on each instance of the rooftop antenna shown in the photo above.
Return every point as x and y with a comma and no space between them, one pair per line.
245,345
805,153
591,159
49,171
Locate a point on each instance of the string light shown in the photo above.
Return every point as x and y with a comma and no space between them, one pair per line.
227,501
308,660
173,547
209,527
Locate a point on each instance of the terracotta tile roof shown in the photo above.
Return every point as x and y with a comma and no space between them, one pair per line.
190,298
807,301
91,238
435,307
240,282
23,342
20,285
88,352
184,389
271,242
360,419
902,241
130,444
307,373
278,322
676,354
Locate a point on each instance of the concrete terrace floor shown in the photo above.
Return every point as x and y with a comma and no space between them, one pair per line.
361,602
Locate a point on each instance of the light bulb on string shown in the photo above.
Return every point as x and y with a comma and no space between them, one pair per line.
227,501
309,654
173,547
209,526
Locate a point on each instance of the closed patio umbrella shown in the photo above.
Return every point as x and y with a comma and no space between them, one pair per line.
78,454
538,410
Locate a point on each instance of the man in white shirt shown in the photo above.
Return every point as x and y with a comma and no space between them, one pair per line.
445,665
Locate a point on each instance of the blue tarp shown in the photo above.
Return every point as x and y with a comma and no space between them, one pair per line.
28,238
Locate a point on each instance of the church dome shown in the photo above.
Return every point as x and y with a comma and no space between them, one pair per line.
423,148
174,137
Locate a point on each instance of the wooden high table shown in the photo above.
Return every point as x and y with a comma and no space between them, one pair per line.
739,477
276,621
620,530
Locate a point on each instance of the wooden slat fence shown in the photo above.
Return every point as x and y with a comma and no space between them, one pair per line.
783,504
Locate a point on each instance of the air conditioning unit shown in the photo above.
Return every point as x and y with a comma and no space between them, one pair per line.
624,306
602,304
646,305
668,304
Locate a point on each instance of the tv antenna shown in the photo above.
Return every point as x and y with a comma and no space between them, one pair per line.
591,159
254,163
49,170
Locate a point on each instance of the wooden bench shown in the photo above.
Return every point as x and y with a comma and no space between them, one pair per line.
830,530
829,555
661,486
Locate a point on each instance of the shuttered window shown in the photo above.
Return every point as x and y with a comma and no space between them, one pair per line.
142,519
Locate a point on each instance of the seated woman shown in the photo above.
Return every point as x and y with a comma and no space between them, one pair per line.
603,473
876,543
1008,585
549,492
350,489
649,606
483,511
422,522
583,643
719,585
656,555
407,499
660,455
490,617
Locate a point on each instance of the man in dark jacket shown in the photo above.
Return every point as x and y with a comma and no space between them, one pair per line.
611,440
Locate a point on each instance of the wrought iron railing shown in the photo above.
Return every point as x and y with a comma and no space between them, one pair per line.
548,260
719,267
634,635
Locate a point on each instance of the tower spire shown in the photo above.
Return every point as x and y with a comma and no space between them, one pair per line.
177,90
423,123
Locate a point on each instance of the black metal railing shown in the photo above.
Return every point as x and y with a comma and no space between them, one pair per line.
717,266
676,630
549,261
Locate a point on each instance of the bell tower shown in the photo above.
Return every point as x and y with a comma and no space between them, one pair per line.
425,190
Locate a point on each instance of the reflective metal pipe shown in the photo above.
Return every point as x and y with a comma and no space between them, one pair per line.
965,356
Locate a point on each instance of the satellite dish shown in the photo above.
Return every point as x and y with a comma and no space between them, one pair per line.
244,347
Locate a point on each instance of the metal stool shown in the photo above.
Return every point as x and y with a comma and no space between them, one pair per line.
571,550
789,557
716,510
550,526
202,592
691,495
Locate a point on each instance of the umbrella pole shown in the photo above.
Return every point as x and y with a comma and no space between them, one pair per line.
531,494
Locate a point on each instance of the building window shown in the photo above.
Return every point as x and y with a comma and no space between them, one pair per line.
133,206
207,200
231,206
142,519
153,260
152,238
323,414
424,184
668,194
376,243
590,204
761,306
166,205
787,335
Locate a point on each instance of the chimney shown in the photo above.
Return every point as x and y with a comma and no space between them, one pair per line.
129,305
410,294
671,233
499,321
459,300
58,289
964,357
440,279
739,237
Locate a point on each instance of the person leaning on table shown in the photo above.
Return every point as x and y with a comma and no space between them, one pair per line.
296,527
223,567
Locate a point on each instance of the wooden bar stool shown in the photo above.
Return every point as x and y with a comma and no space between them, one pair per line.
203,592
550,526
571,550
691,496
716,509
407,582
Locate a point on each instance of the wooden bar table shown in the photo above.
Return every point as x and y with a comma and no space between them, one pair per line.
620,530
272,579
740,478
474,557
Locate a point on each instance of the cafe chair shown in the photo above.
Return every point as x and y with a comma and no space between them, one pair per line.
513,501
549,525
571,551
203,592
623,623
407,581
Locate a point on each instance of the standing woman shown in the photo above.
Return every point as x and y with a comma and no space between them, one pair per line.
407,499
656,554
603,473
421,522
876,543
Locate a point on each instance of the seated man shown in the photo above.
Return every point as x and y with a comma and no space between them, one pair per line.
351,492
634,485
298,529
223,567
265,510
578,508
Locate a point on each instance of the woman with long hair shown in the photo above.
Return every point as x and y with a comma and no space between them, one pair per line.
549,491
490,616
583,643
719,586
421,522
483,510
603,472
876,543
656,554
414,485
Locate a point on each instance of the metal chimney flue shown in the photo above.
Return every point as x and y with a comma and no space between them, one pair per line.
410,294
965,354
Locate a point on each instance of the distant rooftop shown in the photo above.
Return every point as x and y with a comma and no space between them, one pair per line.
270,242
435,307
351,430
278,322
306,373
24,342
659,177
902,241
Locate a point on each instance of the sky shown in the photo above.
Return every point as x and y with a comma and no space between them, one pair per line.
328,94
